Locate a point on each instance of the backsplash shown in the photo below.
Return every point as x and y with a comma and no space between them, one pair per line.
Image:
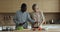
7,18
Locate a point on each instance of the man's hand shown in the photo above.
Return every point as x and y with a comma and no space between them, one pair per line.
36,22
20,24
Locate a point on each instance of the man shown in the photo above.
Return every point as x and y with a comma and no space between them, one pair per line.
22,17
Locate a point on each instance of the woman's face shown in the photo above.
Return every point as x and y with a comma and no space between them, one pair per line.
36,8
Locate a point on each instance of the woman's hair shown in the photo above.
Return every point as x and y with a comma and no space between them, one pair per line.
33,6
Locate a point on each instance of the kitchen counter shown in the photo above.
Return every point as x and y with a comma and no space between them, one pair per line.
26,30
51,28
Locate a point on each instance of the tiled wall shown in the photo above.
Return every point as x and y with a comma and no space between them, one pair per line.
4,18
50,16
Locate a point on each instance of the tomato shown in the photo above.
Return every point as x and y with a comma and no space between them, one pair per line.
39,28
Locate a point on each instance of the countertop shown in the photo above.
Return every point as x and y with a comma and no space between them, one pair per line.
27,30
56,28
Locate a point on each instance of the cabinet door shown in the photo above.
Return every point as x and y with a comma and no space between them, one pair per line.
29,4
51,5
44,5
14,5
8,6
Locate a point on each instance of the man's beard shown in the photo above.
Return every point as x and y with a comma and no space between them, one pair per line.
23,10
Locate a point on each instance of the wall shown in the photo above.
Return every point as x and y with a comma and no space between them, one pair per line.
51,5
6,19
50,16
3,22
8,6
11,6
14,5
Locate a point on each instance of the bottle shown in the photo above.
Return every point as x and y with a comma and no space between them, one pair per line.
29,26
52,21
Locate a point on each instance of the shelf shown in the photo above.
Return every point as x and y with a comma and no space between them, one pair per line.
51,12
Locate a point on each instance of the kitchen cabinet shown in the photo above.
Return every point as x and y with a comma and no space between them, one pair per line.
44,5
51,6
11,6
8,6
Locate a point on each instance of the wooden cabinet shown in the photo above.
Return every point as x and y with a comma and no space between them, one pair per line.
51,6
11,6
44,5
8,6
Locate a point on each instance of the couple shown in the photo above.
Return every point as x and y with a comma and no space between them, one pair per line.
22,17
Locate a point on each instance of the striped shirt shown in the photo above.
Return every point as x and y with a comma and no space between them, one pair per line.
21,17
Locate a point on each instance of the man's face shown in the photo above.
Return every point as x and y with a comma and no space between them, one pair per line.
23,9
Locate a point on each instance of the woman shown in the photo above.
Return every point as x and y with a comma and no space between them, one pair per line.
37,16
